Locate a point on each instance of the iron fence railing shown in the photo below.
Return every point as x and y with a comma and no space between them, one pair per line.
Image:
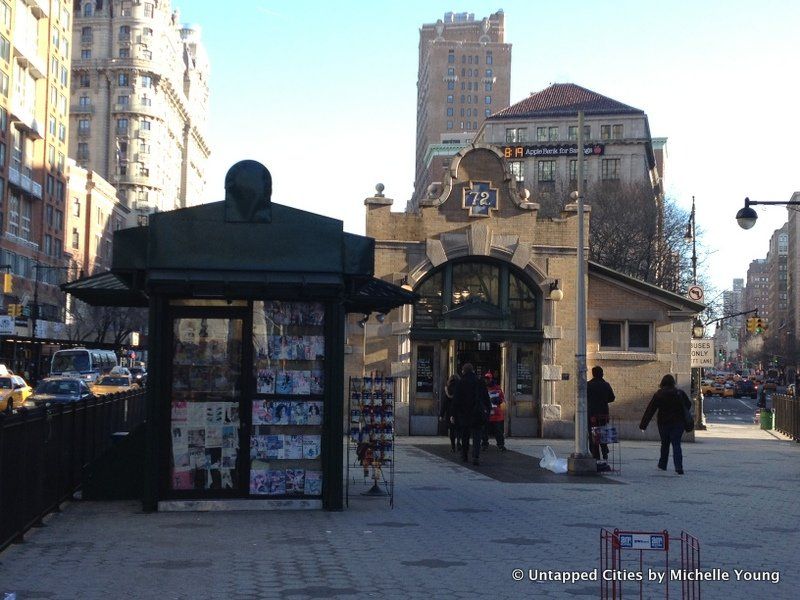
43,452
787,415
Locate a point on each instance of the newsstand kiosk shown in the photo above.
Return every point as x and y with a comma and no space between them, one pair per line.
247,302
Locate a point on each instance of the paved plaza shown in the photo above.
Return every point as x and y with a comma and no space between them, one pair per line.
454,532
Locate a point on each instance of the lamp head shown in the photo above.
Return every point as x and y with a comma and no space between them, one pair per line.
556,293
746,217
698,329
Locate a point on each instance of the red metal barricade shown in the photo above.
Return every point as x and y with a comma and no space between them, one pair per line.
631,561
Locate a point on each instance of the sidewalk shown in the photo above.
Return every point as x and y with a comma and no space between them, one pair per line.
454,533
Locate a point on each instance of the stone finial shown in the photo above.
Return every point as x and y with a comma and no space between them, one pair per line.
379,190
248,193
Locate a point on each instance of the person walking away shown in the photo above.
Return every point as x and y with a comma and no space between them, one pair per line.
471,409
446,412
497,416
598,396
670,403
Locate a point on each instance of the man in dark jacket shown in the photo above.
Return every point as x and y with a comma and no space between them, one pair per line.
598,396
471,408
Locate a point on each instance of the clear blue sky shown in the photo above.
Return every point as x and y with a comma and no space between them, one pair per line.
324,95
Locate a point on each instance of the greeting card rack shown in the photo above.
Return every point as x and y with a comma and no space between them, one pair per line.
370,449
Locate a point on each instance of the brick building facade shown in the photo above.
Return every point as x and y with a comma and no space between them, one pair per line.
484,262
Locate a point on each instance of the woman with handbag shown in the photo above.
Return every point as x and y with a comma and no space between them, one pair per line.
673,406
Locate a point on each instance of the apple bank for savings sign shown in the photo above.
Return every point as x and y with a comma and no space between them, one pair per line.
702,353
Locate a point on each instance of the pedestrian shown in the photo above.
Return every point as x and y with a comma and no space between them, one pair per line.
497,416
762,396
598,396
446,412
671,404
471,409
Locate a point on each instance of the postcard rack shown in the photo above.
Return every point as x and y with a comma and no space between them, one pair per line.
370,449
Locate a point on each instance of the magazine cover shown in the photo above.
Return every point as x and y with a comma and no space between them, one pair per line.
215,413
317,382
259,482
293,447
295,481
274,447
180,439
180,412
232,413
317,347
197,438
182,480
196,414
262,412
226,479
276,483
314,412
228,458
313,483
265,381
314,313
299,414
213,458
197,458
213,437
281,411
355,415
181,461
284,383
311,446
301,382
230,436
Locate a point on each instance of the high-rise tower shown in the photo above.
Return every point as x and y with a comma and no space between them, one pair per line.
464,76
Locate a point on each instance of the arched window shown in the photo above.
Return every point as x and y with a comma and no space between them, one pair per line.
87,9
477,293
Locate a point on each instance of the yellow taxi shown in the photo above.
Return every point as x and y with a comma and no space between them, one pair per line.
728,390
707,387
13,392
111,384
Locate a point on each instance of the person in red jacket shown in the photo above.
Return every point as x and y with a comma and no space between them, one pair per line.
497,418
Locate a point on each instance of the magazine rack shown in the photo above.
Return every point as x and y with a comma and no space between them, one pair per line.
370,450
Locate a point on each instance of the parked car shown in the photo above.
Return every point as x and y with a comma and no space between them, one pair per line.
60,390
747,388
139,376
13,392
111,384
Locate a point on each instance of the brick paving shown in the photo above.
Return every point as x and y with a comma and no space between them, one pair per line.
454,532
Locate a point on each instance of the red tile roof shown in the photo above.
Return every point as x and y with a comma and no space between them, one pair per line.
564,99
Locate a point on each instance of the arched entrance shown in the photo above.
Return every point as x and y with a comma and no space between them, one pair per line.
482,310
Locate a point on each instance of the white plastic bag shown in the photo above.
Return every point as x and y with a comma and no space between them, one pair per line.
551,462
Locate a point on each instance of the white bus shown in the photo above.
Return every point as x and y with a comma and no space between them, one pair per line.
89,363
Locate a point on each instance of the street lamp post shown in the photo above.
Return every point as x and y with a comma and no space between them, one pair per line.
36,348
580,462
746,217
697,328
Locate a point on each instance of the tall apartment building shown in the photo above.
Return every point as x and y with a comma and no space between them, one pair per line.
756,291
34,90
140,102
777,259
464,76
793,278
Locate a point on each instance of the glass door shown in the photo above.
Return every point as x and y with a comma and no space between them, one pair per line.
206,390
523,418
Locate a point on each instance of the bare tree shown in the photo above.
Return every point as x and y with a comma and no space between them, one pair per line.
104,324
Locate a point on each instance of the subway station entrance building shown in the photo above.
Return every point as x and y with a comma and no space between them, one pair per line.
497,288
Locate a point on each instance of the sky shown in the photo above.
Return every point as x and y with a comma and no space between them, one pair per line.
324,94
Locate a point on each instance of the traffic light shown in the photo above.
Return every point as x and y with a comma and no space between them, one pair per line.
8,286
751,324
14,310
761,325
